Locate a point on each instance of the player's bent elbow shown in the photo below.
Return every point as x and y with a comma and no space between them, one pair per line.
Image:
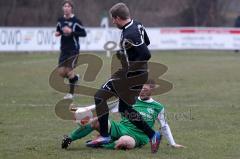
84,34
57,34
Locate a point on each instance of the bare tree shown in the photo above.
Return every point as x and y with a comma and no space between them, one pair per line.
9,10
151,13
204,13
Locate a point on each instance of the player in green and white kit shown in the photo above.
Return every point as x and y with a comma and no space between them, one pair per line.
124,134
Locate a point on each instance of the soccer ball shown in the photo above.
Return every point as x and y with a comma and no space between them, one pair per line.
83,116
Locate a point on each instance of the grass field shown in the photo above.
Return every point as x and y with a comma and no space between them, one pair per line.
203,108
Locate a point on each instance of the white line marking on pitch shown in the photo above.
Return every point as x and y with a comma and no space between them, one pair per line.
28,105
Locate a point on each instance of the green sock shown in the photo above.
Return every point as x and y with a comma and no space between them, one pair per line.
80,132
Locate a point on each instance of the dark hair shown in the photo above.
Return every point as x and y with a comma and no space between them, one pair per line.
70,2
120,10
151,82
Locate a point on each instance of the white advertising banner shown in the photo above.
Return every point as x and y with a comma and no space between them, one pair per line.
43,39
195,38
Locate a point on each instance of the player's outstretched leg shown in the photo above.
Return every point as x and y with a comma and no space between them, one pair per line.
102,111
76,134
72,82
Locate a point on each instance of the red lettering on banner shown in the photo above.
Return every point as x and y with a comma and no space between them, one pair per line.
199,31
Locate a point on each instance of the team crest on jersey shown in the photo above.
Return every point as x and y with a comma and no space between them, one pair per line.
70,24
150,110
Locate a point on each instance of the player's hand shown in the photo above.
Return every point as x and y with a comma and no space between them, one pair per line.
57,33
177,146
119,53
67,30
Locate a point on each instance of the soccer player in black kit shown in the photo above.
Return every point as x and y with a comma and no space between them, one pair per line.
70,29
133,55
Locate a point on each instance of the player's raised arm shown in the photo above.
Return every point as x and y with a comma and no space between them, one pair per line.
166,131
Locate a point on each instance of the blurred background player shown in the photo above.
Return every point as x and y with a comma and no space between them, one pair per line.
124,134
70,28
237,25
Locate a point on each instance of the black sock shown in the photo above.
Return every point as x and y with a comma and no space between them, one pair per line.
104,125
102,113
72,82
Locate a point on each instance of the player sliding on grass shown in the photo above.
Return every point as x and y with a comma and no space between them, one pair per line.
70,29
124,134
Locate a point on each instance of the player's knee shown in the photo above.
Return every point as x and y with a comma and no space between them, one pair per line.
100,99
95,125
125,142
97,99
62,72
70,73
101,96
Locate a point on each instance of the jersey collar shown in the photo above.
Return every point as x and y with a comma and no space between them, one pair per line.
72,15
128,24
147,101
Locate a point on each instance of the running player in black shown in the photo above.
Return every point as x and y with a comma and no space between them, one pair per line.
133,55
70,29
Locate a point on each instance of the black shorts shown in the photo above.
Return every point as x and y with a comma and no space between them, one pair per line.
68,59
126,89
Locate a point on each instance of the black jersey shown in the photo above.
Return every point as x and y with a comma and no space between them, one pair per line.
70,42
134,42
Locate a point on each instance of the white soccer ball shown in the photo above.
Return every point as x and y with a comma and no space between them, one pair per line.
83,116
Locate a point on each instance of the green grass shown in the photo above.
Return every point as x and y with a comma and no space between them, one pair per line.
203,108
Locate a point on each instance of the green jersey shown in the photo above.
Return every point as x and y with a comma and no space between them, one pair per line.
149,109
